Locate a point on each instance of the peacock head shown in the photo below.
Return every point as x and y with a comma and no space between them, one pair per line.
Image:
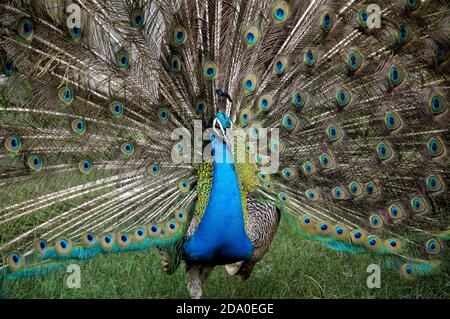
223,128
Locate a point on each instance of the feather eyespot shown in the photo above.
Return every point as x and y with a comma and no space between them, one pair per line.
200,106
79,126
154,230
434,183
396,75
308,168
265,102
172,227
180,35
355,189
419,205
395,211
290,121
326,161
433,247
154,169
412,5
373,243
354,60
36,163
371,189
404,34
280,65
137,18
89,239
41,246
393,121
440,52
175,64
384,151
8,67
26,29
210,70
107,242
75,32
63,246
288,174
249,83
13,144
312,195
251,36
246,116
310,57
280,11
123,240
127,149
358,236
436,147
163,114
15,261
333,133
437,104
343,97
116,108
283,197
299,99
339,193
123,59
66,95
85,167
327,20
184,186
376,221
363,18
139,233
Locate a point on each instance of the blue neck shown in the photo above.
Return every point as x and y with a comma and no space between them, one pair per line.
220,236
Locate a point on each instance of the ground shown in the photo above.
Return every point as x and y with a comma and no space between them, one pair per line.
293,268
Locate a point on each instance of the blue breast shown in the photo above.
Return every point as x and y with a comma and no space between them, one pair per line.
220,237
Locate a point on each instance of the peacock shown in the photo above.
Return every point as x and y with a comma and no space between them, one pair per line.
192,127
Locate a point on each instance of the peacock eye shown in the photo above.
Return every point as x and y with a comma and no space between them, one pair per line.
107,241
395,211
164,114
371,189
251,36
310,57
175,64
404,34
200,106
327,21
436,147
396,75
384,151
123,59
26,29
137,18
153,230
154,169
8,68
210,70
79,126
412,5
283,197
440,52
246,116
181,216
184,186
127,149
354,60
343,97
63,247
89,239
36,163
326,161
85,167
172,226
437,104
268,186
13,144
180,35
75,32
373,242
338,193
299,99
288,174
434,183
249,83
280,11
15,260
66,95
393,121
334,133
375,221
308,168
312,195
290,121
418,205
265,102
116,108
363,18
41,246
355,189
433,247
280,65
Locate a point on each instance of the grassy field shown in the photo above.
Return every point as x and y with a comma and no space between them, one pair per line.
293,268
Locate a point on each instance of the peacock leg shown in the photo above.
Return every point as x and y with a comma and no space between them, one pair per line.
194,285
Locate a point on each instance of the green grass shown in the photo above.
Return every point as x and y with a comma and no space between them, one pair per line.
293,268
